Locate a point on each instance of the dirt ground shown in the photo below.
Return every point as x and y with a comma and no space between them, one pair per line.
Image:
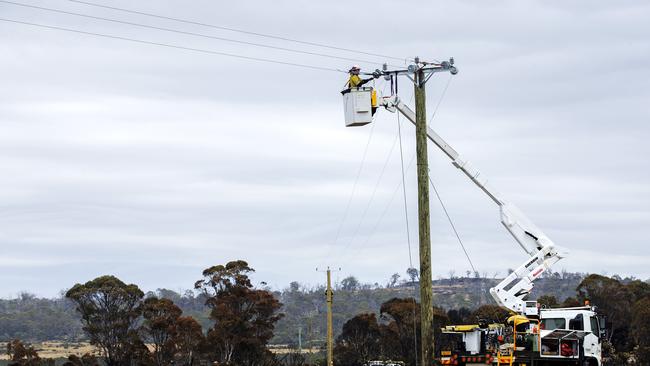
55,349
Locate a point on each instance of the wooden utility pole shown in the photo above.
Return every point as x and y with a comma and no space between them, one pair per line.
329,296
420,73
426,296
300,339
330,332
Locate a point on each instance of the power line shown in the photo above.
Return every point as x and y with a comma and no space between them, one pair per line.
406,210
452,225
408,233
356,180
258,34
189,33
388,205
354,186
372,196
392,198
442,96
250,58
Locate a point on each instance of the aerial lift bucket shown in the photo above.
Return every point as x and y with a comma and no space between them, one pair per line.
357,105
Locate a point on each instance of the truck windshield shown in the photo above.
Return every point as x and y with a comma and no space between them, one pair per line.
553,323
577,323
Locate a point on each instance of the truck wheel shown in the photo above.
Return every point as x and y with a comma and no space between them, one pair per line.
589,362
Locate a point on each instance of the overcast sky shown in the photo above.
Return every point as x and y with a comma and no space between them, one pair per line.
152,163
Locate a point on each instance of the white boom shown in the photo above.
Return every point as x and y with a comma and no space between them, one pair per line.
510,292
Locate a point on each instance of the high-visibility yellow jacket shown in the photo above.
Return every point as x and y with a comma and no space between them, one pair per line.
354,81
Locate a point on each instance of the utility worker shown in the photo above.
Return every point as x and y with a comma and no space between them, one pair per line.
355,81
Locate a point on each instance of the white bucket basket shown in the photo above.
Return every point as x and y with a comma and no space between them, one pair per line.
357,105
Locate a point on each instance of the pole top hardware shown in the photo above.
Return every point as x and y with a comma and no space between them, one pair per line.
328,269
428,68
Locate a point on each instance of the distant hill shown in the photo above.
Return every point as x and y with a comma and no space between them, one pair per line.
37,319
305,307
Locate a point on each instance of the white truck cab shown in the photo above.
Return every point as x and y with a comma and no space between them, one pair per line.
564,330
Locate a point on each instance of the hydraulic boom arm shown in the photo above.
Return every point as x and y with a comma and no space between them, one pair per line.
511,292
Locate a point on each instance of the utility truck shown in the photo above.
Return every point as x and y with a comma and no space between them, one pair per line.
533,335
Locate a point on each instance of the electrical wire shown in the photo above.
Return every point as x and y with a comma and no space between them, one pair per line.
442,96
408,232
444,208
354,186
374,229
191,33
451,222
406,211
372,196
168,45
258,34
388,205
356,180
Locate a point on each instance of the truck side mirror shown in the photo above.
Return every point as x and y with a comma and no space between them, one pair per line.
602,326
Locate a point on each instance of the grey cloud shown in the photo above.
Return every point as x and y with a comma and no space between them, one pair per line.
153,163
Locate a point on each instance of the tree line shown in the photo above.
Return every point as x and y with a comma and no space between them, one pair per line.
121,322
394,334
228,320
304,306
40,319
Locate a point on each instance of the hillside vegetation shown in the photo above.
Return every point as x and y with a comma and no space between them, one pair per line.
228,320
40,319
